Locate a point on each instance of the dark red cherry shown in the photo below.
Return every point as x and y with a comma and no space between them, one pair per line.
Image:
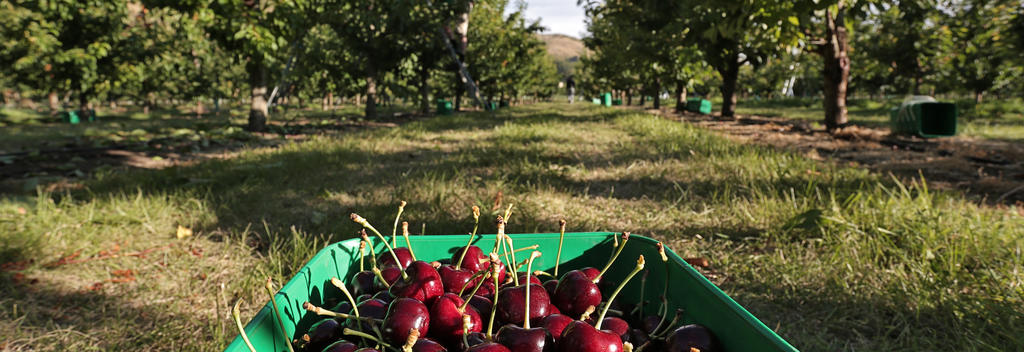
692,336
617,325
511,305
404,256
428,345
423,283
367,349
405,314
482,305
575,293
385,296
550,286
552,309
518,339
649,323
372,308
343,307
475,259
474,339
455,280
592,273
340,346
364,282
391,275
489,347
323,333
555,323
446,319
582,337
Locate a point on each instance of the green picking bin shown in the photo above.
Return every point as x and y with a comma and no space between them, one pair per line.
596,101
924,117
444,107
698,105
491,106
616,102
702,301
606,99
503,104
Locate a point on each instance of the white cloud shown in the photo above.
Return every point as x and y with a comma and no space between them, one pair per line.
558,16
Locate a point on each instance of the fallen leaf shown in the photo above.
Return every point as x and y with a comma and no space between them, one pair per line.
184,232
701,262
22,211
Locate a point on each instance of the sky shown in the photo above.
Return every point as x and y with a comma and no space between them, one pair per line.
558,16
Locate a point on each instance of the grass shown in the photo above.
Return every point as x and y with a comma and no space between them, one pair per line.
833,258
1003,119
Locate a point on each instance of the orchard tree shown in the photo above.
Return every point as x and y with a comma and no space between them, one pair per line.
980,43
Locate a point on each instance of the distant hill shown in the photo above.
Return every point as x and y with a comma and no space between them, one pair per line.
565,50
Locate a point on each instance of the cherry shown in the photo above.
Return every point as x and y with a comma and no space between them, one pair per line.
373,308
405,314
385,296
692,337
525,338
575,292
511,307
322,333
591,273
550,286
482,304
617,325
339,346
552,309
489,347
555,323
404,257
474,260
390,275
428,345
650,323
579,336
367,349
421,282
364,282
343,307
455,280
446,316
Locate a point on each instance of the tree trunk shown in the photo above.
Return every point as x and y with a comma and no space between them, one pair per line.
836,71
257,95
978,97
680,96
657,95
371,92
54,103
85,107
424,90
730,75
200,110
629,98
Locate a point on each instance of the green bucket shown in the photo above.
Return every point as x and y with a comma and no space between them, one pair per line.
702,302
606,99
444,107
698,105
927,119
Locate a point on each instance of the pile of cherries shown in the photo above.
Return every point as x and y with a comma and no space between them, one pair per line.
472,302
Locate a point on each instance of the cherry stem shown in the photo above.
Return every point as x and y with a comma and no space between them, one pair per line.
381,277
526,248
472,236
639,266
360,220
508,212
394,229
625,238
341,285
277,313
473,293
561,236
465,329
241,330
362,254
373,253
348,331
414,334
663,311
405,233
497,287
471,278
675,319
643,287
543,273
529,266
586,314
327,313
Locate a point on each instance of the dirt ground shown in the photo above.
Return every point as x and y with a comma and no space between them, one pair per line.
990,171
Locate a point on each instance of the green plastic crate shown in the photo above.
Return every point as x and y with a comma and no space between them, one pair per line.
928,119
698,105
444,107
616,102
703,302
606,99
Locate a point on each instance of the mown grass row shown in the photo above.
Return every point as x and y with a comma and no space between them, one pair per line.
834,258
